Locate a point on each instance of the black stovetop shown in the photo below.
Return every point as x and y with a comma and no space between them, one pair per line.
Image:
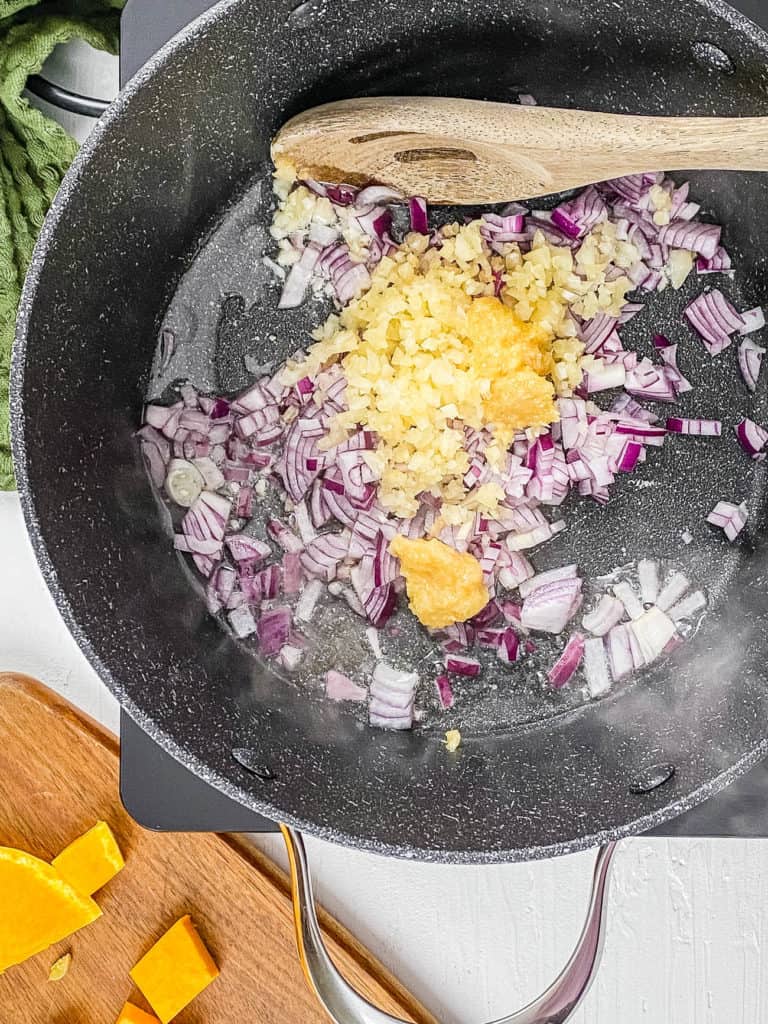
162,794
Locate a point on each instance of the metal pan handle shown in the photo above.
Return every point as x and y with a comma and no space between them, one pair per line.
345,1006
65,99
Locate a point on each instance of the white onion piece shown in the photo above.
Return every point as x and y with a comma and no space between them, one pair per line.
619,652
754,320
184,482
290,657
212,476
608,613
674,587
372,636
629,599
648,577
653,631
543,578
242,621
341,687
305,606
392,695
596,668
729,517
689,606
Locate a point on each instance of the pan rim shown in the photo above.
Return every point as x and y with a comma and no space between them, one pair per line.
245,797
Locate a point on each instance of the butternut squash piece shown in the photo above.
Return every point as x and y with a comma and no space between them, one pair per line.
39,907
175,970
91,860
131,1014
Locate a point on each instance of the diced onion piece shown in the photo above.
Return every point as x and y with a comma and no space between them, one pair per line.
543,578
648,577
305,606
462,665
629,599
444,692
729,517
608,613
653,631
551,607
750,360
596,668
289,656
340,687
689,606
754,320
674,587
752,438
694,427
392,697
619,652
242,621
565,667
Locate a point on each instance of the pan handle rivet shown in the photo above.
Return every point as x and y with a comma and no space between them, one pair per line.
247,759
651,778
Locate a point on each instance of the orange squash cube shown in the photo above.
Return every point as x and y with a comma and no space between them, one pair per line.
131,1014
91,860
175,970
37,907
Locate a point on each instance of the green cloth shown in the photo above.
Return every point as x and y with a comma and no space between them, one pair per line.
35,152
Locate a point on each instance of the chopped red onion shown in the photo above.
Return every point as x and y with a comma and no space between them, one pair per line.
674,587
292,574
242,622
372,636
752,438
541,579
596,668
285,537
392,697
689,607
619,652
310,595
730,518
608,612
444,692
274,629
648,577
567,664
720,263
754,320
508,650
340,687
715,320
632,603
694,427
551,607
289,657
703,239
652,631
750,361
462,665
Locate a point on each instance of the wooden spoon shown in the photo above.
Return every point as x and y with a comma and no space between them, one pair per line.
456,151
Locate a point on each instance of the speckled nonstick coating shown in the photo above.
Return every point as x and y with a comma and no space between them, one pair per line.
158,174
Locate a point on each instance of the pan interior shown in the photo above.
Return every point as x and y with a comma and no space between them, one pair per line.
165,219
224,315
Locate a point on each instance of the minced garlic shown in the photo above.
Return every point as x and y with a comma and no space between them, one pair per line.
429,349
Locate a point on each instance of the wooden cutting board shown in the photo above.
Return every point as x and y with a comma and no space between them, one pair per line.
58,775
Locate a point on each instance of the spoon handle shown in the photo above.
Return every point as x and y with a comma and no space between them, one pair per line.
470,151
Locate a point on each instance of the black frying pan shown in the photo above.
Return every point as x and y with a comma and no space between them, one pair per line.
165,211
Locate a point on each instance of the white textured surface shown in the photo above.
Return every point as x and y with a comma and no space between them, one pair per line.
686,917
